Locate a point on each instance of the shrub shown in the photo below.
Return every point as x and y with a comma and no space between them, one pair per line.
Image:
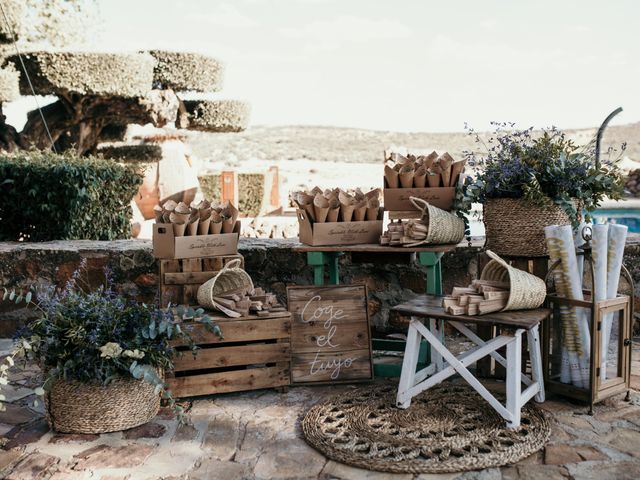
44,196
250,191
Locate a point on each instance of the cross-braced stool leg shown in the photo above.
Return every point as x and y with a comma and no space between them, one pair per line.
533,340
514,387
409,364
437,329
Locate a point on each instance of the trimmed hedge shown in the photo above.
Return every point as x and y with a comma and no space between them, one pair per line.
9,80
44,196
183,71
131,153
218,115
250,191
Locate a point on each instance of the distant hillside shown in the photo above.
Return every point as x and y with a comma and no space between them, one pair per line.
356,146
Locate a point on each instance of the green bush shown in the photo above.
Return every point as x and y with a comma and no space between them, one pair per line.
44,196
250,191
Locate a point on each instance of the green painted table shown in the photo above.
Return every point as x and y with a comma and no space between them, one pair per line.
326,259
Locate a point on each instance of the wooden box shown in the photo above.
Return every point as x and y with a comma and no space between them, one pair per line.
180,279
168,246
396,200
255,353
339,233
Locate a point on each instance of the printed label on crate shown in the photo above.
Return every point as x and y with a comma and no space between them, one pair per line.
330,337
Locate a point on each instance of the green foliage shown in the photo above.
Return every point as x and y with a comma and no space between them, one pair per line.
250,191
540,169
44,196
98,336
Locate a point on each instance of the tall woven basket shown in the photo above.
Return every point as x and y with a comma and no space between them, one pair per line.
442,227
75,407
515,227
231,279
526,291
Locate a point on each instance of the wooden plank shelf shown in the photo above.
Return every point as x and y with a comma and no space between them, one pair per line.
254,353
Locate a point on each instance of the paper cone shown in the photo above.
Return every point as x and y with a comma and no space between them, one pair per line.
373,208
182,213
456,170
157,212
192,226
358,195
346,212
360,211
229,216
315,190
203,225
305,201
430,159
373,194
433,179
420,177
334,210
406,177
391,176
320,208
179,226
398,158
169,206
445,160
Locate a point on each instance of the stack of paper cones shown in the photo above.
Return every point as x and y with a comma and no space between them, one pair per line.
431,170
198,219
336,205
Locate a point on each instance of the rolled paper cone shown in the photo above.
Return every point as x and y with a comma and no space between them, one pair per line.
157,212
373,194
179,229
320,208
180,217
391,176
169,206
166,217
203,226
315,190
358,195
346,211
203,205
227,225
433,179
398,157
406,178
205,213
346,199
332,215
372,213
215,227
456,170
420,177
430,159
192,226
445,160
360,212
182,208
306,202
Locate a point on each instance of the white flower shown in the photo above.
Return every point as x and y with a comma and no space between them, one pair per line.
111,350
133,353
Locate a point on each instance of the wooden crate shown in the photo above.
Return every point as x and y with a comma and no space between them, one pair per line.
180,279
255,353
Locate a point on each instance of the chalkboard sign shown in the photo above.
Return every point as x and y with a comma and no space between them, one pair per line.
330,336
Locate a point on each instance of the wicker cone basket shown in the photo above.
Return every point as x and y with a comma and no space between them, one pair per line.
75,407
526,291
515,227
230,279
442,227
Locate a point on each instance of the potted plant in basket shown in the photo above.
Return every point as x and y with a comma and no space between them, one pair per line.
527,180
103,355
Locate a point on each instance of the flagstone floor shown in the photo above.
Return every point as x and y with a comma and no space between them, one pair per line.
256,435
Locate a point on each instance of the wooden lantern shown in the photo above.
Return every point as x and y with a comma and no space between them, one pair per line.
615,378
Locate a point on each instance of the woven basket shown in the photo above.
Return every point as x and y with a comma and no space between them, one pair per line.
515,227
75,407
526,291
230,279
442,227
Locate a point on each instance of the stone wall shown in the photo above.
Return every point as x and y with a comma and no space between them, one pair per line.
271,263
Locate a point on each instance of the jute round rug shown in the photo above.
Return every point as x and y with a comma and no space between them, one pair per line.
448,428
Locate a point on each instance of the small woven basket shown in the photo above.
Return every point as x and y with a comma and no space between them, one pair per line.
230,279
442,227
515,227
526,290
75,407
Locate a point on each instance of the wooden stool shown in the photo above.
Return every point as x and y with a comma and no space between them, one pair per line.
444,364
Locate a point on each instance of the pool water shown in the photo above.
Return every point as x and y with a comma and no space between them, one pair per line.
627,216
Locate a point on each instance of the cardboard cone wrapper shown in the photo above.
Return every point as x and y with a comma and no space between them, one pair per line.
420,177
320,208
157,212
456,170
391,176
202,205
445,160
373,194
215,227
316,190
205,221
373,207
433,179
406,176
192,226
334,209
305,202
169,206
360,212
179,226
229,216
347,205
182,213
430,159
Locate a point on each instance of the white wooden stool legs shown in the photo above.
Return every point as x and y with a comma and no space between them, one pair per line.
444,364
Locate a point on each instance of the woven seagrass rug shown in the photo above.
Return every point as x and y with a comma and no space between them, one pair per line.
448,428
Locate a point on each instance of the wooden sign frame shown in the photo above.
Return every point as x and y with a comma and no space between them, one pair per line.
318,344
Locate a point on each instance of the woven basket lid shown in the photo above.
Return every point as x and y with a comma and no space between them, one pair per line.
231,279
526,290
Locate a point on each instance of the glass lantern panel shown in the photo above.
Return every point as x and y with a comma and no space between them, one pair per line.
611,361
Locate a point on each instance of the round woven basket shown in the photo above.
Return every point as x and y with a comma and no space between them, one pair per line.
230,279
442,227
75,407
515,227
526,291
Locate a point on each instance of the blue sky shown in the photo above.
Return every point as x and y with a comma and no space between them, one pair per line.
404,65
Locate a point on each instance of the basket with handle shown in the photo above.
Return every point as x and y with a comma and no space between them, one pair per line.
231,279
526,291
442,227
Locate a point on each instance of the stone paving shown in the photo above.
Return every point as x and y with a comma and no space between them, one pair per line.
256,435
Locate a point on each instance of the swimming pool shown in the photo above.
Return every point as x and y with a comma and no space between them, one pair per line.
622,216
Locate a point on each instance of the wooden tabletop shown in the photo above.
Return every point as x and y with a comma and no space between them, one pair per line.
375,248
430,306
